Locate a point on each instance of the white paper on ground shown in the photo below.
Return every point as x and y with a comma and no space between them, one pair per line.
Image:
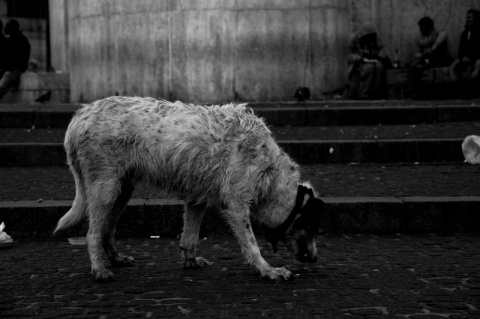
471,149
4,238
78,241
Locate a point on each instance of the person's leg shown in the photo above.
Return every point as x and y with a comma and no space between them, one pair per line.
378,89
454,70
415,78
353,83
367,77
8,80
476,69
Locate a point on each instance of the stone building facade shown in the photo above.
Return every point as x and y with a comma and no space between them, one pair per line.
213,51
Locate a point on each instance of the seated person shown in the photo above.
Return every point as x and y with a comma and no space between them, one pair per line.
366,73
17,54
432,53
469,48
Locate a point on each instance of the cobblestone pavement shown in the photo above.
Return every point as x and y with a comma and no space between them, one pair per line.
361,180
355,277
423,131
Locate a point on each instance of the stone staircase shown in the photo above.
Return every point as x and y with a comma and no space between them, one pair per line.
381,167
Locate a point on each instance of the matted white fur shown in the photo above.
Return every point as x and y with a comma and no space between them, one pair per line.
210,156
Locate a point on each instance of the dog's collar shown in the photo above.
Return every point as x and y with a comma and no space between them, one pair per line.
276,234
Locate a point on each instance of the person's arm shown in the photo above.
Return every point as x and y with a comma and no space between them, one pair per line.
24,55
419,52
442,37
462,46
355,52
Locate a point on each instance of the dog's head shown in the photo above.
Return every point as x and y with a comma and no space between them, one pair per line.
299,230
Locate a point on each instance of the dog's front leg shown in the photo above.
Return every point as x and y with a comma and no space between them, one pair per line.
192,219
239,220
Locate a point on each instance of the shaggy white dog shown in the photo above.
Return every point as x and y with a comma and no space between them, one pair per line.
210,156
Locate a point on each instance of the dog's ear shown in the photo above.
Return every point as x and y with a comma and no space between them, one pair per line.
312,214
309,192
301,192
273,236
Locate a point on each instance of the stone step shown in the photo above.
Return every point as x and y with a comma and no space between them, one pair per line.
290,133
308,145
361,198
330,180
158,217
304,152
59,115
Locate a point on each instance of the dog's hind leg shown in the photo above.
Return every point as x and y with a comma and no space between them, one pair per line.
192,219
103,199
116,259
239,220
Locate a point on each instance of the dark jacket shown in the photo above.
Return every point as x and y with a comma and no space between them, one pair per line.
18,52
470,46
3,52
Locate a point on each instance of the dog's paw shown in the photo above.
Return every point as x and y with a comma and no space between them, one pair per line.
122,261
277,273
198,262
104,275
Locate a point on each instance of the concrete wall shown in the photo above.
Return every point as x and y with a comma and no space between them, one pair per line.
207,50
220,50
58,35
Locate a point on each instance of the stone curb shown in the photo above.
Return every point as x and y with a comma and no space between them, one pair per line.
59,116
32,154
374,151
304,152
375,215
38,116
385,115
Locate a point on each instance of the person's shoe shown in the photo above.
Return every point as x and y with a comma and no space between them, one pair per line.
5,240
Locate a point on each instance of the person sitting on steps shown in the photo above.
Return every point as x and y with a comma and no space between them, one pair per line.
17,55
367,64
468,61
432,53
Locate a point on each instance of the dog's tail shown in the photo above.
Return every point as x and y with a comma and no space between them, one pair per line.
78,210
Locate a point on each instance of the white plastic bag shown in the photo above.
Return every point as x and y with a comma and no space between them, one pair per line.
5,240
471,149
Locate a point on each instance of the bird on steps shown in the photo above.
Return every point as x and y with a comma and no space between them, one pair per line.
302,94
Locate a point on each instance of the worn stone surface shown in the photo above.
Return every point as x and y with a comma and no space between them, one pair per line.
361,198
212,51
303,152
301,133
355,277
332,113
207,51
307,144
331,180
